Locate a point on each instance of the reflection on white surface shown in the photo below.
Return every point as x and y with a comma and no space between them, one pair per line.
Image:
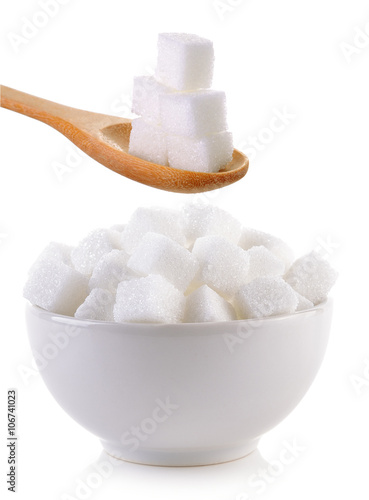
237,480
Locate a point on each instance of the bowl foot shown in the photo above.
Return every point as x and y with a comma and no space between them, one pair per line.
192,457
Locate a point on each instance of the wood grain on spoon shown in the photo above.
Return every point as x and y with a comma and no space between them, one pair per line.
106,138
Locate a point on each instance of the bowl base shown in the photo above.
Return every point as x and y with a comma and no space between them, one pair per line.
194,457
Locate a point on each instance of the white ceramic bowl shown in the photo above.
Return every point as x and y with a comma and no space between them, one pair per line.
184,394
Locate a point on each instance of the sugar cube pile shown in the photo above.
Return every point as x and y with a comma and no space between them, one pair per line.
182,121
193,265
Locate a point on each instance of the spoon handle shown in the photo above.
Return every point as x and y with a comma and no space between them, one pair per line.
62,118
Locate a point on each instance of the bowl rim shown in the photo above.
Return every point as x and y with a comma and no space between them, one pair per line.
147,327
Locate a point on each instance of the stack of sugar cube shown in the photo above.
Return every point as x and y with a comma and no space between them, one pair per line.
182,122
197,264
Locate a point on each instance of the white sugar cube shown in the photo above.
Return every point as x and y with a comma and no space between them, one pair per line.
194,114
263,263
145,100
206,220
311,276
56,287
151,299
158,254
97,306
185,61
252,237
54,251
158,220
207,154
223,265
90,250
303,303
147,141
118,227
264,297
110,270
204,304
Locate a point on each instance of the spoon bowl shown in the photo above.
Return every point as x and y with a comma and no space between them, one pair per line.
106,139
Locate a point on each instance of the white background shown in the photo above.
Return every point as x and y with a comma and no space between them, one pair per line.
308,185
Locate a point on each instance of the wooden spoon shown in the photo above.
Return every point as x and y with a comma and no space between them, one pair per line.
106,138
